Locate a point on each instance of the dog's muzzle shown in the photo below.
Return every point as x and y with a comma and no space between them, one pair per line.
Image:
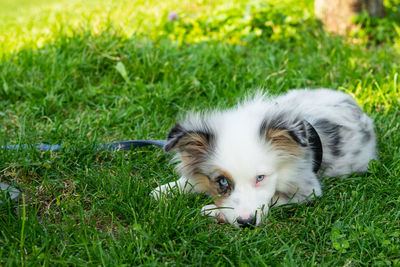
248,222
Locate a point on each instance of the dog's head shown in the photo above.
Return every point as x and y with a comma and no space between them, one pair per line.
238,158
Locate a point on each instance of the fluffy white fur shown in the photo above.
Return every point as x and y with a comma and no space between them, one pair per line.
268,138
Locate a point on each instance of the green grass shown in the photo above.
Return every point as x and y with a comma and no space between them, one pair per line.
59,83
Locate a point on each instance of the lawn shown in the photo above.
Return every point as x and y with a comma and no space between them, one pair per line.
79,73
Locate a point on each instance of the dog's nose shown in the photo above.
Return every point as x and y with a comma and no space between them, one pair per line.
247,222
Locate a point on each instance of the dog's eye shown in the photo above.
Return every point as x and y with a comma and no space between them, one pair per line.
223,182
260,178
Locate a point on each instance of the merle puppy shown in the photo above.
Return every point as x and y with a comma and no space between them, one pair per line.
269,150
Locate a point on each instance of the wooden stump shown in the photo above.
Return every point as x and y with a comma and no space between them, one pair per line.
337,14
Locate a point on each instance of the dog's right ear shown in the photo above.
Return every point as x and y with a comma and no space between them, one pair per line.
190,143
176,133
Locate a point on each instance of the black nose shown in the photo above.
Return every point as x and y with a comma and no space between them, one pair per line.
249,222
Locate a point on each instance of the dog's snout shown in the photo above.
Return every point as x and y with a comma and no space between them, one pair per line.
248,221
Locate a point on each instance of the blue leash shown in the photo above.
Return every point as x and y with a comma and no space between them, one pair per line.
115,146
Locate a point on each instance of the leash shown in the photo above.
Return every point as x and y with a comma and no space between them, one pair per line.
13,193
115,146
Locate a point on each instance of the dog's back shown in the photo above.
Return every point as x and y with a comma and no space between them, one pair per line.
346,132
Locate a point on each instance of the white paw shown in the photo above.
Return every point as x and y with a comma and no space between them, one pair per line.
161,191
213,212
182,186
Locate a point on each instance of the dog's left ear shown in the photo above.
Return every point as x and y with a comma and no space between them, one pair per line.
285,134
298,131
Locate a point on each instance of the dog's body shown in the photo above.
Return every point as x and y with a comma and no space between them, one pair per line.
265,151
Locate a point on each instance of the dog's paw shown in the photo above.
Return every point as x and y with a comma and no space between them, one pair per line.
213,212
161,192
181,186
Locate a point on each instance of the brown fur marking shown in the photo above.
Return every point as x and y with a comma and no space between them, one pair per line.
204,184
282,140
194,144
193,149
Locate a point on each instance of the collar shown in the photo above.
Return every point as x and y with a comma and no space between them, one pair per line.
316,146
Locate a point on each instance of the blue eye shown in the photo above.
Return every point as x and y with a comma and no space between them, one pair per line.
260,178
223,182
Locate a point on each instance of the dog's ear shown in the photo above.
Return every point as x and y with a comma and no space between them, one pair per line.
192,143
285,134
174,135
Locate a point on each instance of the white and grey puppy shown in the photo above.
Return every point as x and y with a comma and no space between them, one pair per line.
268,151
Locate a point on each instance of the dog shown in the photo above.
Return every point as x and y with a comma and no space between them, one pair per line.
269,151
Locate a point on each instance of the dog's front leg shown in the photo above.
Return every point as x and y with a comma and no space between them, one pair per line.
182,185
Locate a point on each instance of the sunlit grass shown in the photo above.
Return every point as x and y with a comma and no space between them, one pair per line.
31,25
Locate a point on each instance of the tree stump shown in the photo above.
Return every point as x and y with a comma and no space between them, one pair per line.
336,15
